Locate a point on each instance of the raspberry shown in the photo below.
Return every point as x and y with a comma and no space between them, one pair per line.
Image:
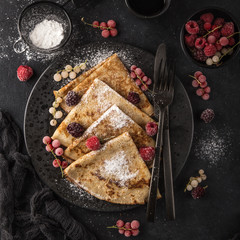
207,26
199,55
56,163
151,128
211,39
24,72
135,224
93,143
205,96
95,24
197,74
56,143
103,25
105,33
210,50
198,192
192,27
207,115
75,129
72,98
147,153
207,17
200,43
219,21
113,32
190,39
133,97
47,140
223,41
64,164
111,23
202,31
231,41
227,29
59,151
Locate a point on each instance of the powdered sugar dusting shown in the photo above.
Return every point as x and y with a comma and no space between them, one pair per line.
212,146
117,167
117,119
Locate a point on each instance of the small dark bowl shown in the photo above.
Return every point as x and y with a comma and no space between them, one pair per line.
217,12
163,10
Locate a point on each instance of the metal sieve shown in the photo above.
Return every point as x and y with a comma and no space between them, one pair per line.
36,13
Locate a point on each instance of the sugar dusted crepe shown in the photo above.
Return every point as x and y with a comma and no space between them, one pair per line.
97,100
113,73
111,124
116,173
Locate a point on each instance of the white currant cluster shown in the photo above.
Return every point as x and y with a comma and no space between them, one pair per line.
53,110
194,181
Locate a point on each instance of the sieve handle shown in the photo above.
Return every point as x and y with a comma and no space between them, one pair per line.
19,46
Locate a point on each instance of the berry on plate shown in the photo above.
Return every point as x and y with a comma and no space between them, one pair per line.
72,98
210,50
151,128
75,129
133,97
147,153
227,29
192,27
207,17
93,143
24,73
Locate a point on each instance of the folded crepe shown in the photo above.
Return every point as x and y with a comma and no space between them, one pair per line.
114,74
111,124
97,100
116,173
70,86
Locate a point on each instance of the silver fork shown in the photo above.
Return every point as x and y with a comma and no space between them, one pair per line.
163,93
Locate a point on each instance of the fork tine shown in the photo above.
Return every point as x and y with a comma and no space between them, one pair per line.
162,76
156,77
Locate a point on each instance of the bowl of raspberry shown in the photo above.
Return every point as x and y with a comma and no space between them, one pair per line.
210,37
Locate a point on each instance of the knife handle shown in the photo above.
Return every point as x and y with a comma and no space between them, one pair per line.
167,169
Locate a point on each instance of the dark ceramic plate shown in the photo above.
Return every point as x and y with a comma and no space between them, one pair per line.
37,117
217,12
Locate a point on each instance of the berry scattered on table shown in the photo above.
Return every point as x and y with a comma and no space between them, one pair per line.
147,153
93,143
151,128
207,115
24,73
75,129
207,36
194,185
72,98
128,228
108,29
202,85
133,97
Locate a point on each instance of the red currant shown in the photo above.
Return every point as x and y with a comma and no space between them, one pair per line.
207,89
202,78
95,24
205,96
103,25
105,33
200,92
113,32
56,163
195,83
111,23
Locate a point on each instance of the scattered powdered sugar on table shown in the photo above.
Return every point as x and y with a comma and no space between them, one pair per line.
117,166
212,146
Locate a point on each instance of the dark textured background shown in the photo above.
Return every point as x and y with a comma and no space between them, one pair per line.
217,215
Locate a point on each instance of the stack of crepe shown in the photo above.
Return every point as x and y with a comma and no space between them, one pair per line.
116,173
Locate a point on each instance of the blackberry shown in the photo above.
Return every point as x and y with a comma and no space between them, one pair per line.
202,31
75,129
72,98
198,192
133,97
199,55
207,115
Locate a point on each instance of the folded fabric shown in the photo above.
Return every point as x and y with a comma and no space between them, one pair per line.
42,217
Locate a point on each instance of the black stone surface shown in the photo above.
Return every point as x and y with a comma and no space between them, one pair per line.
216,216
